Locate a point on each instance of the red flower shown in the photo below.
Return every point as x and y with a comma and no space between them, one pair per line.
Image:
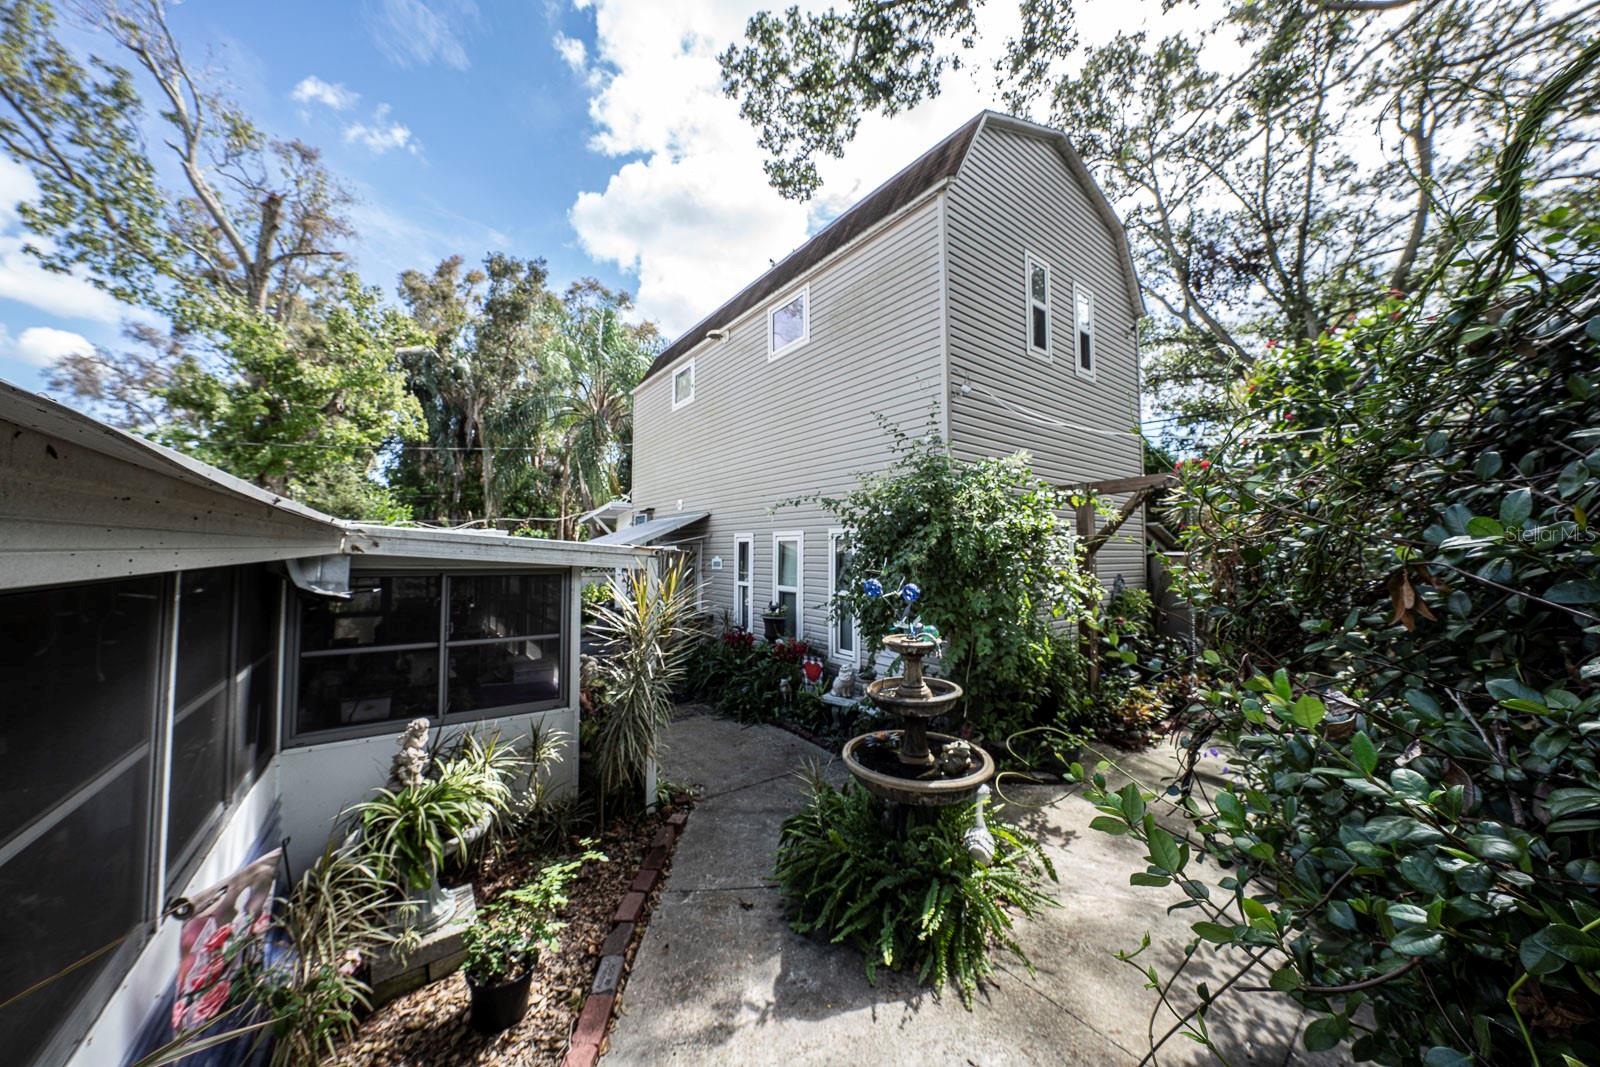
1271,343
219,940
211,1003
1178,466
1205,464
1288,416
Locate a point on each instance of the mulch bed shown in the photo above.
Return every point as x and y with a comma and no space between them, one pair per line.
429,1026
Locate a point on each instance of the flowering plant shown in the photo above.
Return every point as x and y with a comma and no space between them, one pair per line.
909,593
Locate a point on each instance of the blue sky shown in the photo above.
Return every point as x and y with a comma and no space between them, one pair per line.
592,133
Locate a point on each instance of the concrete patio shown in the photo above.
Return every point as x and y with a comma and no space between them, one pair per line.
721,978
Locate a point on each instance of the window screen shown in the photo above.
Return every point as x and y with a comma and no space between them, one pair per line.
80,669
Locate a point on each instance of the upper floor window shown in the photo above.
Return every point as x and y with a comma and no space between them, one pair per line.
789,324
1083,316
683,385
1038,306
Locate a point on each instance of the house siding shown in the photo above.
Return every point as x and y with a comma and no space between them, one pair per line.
1016,196
807,423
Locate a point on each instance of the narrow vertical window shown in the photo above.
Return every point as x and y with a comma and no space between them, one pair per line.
1038,306
788,550
743,567
683,385
1083,317
842,626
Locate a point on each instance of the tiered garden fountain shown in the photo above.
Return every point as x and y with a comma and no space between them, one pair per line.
912,765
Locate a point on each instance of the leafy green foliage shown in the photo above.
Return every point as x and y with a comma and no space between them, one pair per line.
644,647
406,832
918,903
1399,529
510,932
994,562
302,409
743,677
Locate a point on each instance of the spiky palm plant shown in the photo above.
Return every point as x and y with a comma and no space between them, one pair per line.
644,647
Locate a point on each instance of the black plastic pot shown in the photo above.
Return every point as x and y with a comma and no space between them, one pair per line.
773,625
499,1007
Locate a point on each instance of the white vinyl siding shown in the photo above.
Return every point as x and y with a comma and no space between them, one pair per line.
788,579
767,432
744,563
1017,197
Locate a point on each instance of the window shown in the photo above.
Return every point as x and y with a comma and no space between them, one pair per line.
789,324
1083,319
81,670
80,842
223,706
505,642
429,645
683,385
1038,282
843,641
788,577
744,549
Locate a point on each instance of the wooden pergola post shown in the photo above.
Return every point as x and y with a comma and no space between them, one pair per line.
1143,488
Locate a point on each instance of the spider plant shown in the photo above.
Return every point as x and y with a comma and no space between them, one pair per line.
405,832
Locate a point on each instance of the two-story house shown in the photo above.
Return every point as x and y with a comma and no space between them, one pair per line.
984,292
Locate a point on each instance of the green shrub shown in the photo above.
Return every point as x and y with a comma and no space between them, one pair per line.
919,904
994,563
743,677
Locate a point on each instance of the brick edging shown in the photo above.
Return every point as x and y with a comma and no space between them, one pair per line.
594,1020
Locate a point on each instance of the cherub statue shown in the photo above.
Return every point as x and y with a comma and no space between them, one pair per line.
410,764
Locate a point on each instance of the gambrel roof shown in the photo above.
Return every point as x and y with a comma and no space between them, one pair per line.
934,168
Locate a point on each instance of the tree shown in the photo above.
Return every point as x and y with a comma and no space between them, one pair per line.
304,409
1265,199
256,219
606,357
484,381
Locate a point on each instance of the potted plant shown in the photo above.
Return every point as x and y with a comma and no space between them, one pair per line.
773,620
503,945
503,948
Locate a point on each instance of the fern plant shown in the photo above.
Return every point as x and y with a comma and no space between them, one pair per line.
918,903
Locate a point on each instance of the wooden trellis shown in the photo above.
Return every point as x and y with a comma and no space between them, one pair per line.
1141,488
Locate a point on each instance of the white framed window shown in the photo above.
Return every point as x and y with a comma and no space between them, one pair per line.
789,323
683,385
744,568
1036,283
788,579
844,637
1083,323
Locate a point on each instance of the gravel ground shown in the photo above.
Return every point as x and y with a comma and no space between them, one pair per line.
429,1026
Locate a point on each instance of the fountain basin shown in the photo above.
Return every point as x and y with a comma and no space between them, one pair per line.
930,701
875,761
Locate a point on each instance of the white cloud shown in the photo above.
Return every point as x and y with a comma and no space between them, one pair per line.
381,135
313,90
40,346
21,277
695,218
412,33
573,53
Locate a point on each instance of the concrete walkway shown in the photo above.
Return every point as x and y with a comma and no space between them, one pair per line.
721,978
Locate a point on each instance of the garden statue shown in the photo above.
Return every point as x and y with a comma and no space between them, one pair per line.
844,683
979,841
410,765
956,759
